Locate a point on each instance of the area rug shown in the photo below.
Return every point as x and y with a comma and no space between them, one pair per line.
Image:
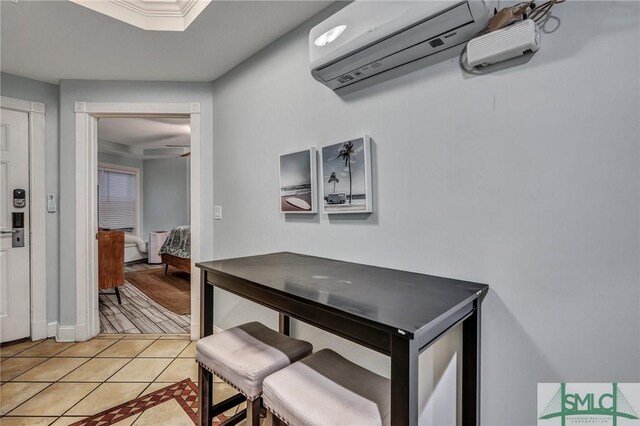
173,291
184,393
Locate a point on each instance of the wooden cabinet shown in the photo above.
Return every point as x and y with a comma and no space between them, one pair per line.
111,260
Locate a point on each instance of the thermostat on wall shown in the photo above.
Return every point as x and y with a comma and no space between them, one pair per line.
506,43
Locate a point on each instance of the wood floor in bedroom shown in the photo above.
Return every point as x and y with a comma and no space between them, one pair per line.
138,313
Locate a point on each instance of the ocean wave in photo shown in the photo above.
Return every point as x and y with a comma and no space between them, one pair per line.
295,190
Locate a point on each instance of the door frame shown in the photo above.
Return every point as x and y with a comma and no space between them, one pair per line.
86,161
37,212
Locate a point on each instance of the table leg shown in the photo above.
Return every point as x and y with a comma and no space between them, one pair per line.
205,396
404,381
471,367
206,305
284,324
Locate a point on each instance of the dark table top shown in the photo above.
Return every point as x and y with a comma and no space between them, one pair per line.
393,298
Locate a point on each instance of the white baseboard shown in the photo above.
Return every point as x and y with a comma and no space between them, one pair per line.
66,333
52,329
82,333
195,331
217,329
39,330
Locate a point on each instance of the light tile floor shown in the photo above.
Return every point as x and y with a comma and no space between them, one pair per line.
50,383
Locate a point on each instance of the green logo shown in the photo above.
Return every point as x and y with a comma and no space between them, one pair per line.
613,405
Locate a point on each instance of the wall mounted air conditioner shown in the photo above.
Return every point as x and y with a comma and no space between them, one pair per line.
369,37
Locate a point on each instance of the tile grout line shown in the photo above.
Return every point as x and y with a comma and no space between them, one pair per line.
58,380
19,352
56,356
141,393
174,358
95,356
116,372
159,374
138,395
28,399
13,380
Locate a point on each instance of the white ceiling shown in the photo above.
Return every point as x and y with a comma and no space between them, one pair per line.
145,132
144,138
56,39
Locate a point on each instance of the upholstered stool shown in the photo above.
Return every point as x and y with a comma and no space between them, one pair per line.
243,356
326,389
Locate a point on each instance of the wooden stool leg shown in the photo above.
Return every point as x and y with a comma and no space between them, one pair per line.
118,296
253,412
205,385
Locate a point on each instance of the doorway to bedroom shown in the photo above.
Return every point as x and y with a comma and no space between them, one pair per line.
144,224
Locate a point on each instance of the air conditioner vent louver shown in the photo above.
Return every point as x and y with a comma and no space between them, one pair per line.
404,32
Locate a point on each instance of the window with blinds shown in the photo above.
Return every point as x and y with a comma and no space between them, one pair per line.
117,199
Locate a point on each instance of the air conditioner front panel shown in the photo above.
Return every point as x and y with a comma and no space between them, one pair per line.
368,22
403,57
380,36
454,18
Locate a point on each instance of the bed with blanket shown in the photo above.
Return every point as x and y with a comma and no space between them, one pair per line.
176,250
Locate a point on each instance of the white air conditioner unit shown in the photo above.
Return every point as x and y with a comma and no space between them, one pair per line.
369,37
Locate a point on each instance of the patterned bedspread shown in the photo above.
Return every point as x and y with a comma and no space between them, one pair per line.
178,242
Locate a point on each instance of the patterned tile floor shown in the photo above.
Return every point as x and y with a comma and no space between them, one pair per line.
50,383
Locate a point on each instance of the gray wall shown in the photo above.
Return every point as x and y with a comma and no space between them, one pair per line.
165,193
121,91
525,178
32,90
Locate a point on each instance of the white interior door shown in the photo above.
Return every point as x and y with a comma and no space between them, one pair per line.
14,261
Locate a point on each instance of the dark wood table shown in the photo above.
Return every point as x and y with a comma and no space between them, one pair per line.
397,313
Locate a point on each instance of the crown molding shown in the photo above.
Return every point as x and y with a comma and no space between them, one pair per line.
150,15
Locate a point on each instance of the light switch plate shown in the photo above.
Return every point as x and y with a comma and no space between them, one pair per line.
217,212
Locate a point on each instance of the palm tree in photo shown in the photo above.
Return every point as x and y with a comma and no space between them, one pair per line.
346,151
335,180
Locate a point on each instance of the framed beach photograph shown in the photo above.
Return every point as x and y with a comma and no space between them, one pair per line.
299,182
346,177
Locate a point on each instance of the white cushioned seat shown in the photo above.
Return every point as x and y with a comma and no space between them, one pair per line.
244,355
326,389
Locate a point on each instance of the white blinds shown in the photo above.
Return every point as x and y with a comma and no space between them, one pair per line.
117,199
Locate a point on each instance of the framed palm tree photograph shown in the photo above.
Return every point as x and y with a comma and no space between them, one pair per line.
299,182
346,177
